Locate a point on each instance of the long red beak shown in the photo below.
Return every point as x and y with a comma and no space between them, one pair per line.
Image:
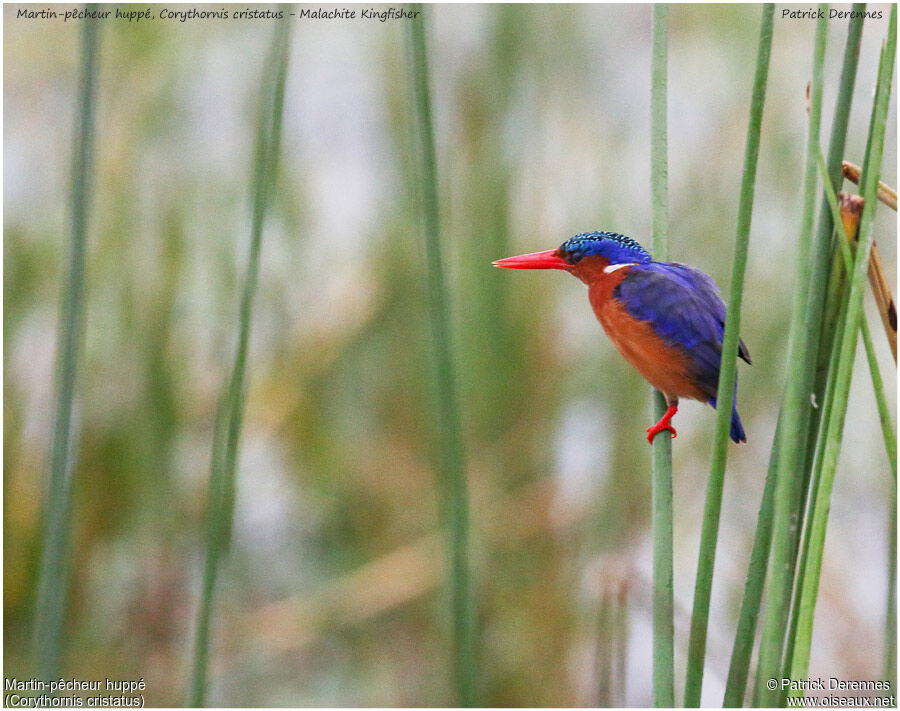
535,260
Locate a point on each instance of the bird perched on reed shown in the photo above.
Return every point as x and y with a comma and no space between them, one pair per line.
666,318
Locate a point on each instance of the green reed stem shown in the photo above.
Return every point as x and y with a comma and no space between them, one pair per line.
230,411
890,618
739,667
843,239
798,468
827,284
813,487
53,575
663,516
743,643
844,263
844,366
728,373
795,407
884,413
820,336
450,451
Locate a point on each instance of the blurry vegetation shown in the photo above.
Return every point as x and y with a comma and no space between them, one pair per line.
229,418
331,593
449,450
53,576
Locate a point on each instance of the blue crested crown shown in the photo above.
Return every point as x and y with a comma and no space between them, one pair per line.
618,249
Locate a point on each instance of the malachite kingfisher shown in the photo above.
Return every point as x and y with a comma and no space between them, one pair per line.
666,318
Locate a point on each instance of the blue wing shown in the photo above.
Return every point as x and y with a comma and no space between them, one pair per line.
684,307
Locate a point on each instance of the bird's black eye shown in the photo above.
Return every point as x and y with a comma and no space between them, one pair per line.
571,256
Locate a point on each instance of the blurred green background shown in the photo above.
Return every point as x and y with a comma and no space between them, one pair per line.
332,592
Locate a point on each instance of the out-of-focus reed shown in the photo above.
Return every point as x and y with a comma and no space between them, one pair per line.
230,411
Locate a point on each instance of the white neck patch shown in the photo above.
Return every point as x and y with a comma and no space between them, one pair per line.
612,267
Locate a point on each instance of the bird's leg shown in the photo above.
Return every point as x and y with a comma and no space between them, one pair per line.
664,421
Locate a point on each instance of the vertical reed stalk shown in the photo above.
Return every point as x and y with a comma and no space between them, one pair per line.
825,313
607,618
620,655
230,412
848,221
54,568
739,667
450,452
890,618
820,281
884,414
663,574
753,591
833,427
795,408
728,372
799,468
846,236
827,301
890,441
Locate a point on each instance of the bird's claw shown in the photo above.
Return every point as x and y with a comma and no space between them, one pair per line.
657,428
665,423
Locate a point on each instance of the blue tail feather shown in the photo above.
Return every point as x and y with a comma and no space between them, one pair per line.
737,429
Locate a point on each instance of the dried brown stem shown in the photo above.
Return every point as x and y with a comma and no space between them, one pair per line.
886,193
851,210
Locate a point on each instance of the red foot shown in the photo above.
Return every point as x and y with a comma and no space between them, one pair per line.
663,424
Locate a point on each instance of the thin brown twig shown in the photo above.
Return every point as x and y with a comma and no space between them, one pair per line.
886,193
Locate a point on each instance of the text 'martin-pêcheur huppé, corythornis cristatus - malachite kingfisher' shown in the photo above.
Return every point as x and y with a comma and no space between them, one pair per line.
666,318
